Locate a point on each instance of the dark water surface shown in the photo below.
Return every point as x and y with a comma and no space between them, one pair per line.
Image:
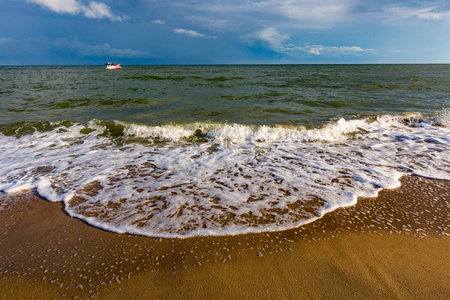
290,95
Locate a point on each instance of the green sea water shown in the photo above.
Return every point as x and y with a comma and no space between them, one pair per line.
263,94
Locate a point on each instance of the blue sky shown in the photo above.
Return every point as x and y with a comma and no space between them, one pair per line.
223,31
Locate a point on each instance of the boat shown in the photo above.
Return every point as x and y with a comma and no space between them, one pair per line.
111,66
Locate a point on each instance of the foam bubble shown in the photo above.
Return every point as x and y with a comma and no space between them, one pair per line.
219,179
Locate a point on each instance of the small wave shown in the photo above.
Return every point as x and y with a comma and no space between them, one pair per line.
238,133
340,130
157,78
220,78
223,132
26,128
441,119
70,103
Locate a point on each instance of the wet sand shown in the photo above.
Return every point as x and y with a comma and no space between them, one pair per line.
395,246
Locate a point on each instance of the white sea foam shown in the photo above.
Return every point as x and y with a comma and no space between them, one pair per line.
236,133
181,180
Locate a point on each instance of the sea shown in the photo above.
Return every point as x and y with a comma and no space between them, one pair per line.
181,151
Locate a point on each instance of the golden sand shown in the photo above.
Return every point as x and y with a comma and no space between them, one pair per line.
395,246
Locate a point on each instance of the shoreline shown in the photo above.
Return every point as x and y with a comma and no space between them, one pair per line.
393,246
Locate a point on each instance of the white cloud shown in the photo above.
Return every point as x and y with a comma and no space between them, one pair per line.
102,50
430,13
318,14
97,10
60,6
93,10
398,10
161,22
320,50
275,41
314,13
271,36
250,15
192,33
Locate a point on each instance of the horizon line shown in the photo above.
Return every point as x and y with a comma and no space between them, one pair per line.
230,64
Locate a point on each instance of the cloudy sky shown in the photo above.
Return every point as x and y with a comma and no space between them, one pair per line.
223,31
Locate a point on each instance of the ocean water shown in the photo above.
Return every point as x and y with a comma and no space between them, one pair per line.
179,151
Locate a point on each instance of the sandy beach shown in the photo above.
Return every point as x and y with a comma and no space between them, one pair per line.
394,246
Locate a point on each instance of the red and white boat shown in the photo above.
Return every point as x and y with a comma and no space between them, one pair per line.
111,66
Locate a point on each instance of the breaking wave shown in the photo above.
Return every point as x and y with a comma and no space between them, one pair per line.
191,179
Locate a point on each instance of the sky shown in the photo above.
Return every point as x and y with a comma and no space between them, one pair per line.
84,32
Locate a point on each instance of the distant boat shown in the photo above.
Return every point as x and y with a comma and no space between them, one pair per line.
111,66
